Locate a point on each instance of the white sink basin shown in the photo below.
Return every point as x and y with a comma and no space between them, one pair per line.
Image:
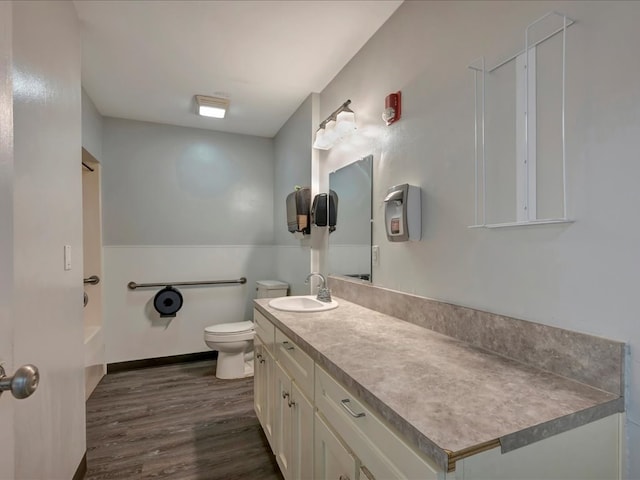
302,303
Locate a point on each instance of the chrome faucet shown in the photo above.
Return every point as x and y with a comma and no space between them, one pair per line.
324,294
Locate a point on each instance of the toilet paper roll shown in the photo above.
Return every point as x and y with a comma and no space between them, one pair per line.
168,301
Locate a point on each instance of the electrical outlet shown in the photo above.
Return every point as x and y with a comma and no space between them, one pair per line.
375,255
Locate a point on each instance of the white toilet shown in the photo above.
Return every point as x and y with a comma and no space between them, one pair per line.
234,341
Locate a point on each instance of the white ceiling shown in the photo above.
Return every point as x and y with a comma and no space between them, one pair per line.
145,60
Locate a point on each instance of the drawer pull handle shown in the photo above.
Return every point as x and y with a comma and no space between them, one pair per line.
291,403
260,358
345,403
285,394
287,345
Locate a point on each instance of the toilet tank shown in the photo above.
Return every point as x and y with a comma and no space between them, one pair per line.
271,288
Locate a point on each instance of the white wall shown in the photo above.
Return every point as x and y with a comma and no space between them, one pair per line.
134,330
91,127
47,318
181,204
582,276
292,167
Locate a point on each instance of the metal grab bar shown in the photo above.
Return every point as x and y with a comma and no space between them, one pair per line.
134,285
93,280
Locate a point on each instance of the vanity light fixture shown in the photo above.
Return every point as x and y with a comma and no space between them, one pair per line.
215,107
337,126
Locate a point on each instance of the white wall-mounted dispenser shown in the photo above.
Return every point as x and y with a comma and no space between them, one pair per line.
402,213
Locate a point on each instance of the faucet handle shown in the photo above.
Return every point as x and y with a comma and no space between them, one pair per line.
324,295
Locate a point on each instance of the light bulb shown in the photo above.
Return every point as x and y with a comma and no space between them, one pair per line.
321,142
345,124
330,134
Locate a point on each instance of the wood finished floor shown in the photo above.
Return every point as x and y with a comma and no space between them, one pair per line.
176,422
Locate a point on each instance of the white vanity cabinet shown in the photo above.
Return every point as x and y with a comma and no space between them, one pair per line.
320,430
283,393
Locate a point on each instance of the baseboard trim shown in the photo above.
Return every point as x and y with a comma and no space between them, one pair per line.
159,361
81,471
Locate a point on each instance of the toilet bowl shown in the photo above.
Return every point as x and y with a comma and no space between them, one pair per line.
234,343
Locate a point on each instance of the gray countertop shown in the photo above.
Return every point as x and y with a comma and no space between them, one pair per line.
448,398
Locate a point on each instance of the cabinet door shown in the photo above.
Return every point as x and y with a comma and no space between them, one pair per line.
263,388
283,422
268,368
258,380
302,435
332,460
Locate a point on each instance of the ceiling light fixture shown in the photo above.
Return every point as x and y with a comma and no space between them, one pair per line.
215,107
337,126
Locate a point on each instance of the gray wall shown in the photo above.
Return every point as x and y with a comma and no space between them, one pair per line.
581,276
292,167
91,127
168,185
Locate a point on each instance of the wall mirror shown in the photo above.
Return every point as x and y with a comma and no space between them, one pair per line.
350,243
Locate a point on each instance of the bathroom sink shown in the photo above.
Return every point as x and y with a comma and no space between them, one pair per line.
302,303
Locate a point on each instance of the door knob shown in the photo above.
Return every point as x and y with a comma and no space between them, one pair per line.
23,383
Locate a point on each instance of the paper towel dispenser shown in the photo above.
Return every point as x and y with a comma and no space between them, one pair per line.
402,213
324,211
298,210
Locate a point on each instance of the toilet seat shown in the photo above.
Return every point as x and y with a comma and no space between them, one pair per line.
231,328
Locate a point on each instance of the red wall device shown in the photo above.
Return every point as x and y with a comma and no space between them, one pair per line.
392,108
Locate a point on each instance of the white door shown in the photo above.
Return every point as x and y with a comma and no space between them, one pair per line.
43,436
6,232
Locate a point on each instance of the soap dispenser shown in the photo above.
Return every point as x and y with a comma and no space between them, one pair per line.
402,213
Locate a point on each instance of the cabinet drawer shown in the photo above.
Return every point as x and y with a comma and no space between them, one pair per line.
264,329
298,364
382,452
